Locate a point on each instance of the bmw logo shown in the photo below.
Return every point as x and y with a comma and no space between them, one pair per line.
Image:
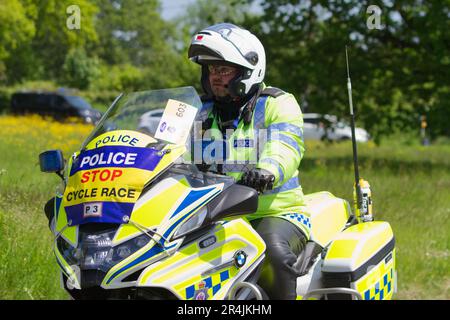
240,258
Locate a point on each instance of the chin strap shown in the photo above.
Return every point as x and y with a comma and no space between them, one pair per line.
245,112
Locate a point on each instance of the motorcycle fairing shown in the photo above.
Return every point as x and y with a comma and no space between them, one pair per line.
193,269
108,180
121,138
69,233
162,198
135,178
170,212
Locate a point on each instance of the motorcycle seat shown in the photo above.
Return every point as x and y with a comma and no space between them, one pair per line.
328,215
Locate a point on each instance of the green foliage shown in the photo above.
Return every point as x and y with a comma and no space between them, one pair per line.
138,47
79,70
5,98
119,77
15,30
205,13
397,71
42,54
52,20
120,46
131,31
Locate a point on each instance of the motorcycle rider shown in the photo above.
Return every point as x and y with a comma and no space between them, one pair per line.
238,107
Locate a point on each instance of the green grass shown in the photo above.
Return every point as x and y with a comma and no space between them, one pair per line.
27,264
410,188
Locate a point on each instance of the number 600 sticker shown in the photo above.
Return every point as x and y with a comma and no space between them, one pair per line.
93,209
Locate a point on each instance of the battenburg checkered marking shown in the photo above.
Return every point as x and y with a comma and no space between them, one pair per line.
306,221
381,289
213,284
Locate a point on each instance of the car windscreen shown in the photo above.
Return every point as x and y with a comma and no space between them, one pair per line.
78,102
312,120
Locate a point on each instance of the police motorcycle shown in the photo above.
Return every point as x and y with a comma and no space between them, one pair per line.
136,220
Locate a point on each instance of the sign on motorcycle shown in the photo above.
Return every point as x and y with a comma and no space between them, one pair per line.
176,122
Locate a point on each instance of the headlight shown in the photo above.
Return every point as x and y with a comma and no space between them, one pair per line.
70,254
191,224
95,251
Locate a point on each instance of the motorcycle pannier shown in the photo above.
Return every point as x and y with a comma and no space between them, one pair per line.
362,258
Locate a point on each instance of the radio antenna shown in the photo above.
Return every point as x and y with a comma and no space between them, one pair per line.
352,123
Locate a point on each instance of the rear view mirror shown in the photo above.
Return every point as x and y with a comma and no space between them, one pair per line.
51,161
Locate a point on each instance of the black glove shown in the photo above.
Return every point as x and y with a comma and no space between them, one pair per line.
258,179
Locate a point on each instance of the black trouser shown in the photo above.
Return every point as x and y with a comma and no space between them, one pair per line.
284,242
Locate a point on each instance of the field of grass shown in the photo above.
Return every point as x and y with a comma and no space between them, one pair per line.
27,264
410,188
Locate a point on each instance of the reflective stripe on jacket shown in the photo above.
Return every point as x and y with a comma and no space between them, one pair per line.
272,141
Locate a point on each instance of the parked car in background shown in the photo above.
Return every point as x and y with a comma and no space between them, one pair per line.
327,127
315,126
59,105
149,121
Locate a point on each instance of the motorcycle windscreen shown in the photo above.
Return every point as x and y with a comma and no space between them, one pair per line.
104,183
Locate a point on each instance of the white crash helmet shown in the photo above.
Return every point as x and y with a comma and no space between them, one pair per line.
226,43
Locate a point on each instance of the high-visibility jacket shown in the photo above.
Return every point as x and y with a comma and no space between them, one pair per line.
273,140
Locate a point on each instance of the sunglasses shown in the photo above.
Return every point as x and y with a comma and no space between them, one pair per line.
221,70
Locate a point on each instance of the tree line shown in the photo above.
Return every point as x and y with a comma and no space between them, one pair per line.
399,51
